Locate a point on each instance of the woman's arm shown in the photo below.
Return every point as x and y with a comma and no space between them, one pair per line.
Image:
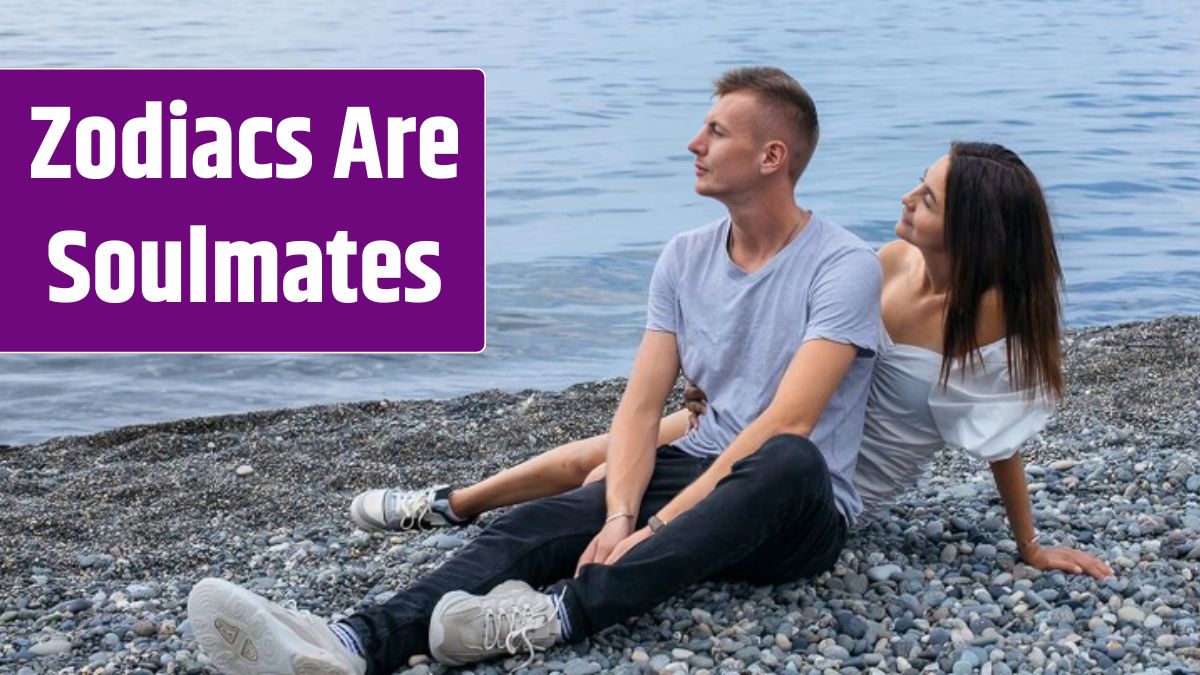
1010,481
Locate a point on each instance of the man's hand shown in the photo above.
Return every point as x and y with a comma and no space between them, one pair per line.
696,401
628,543
1065,559
605,541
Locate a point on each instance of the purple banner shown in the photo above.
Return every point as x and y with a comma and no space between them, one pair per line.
242,211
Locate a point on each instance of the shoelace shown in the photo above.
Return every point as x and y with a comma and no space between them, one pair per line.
521,621
412,507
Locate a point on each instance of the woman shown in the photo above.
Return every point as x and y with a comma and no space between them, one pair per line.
970,360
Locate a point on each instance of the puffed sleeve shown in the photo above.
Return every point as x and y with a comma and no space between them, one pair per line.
981,412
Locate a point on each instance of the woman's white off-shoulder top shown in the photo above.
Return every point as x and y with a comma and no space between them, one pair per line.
911,416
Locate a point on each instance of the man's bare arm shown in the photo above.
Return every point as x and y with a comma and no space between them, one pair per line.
810,380
631,441
635,425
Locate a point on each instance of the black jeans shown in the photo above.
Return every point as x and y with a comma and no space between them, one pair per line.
772,519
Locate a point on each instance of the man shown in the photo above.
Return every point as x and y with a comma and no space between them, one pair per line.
774,312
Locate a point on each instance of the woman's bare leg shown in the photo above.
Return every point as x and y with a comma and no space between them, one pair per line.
553,472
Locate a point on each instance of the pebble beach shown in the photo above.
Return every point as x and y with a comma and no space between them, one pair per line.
104,535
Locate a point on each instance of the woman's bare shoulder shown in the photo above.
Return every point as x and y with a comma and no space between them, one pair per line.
990,323
893,256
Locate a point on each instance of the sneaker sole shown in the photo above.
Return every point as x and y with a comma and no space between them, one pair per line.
241,638
437,635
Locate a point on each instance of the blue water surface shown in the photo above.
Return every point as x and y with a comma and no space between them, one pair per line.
590,108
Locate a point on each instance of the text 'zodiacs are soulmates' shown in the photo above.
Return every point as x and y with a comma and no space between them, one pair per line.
136,151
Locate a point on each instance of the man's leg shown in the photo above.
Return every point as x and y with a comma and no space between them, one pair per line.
771,519
538,543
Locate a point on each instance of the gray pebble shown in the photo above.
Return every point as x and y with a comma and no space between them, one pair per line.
835,652
1131,615
949,554
851,625
1115,650
883,572
141,591
963,491
580,667
74,606
985,551
989,636
262,583
445,542
51,646
747,655
857,583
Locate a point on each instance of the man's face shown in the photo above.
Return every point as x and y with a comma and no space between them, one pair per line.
728,150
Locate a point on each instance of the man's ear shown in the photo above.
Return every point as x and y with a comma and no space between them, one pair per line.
775,157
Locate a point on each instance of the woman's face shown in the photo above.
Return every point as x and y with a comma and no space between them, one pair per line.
922,222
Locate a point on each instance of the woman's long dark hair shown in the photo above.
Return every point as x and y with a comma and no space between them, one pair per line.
998,235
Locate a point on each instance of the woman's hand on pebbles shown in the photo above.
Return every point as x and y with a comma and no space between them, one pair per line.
696,401
605,541
628,543
1067,560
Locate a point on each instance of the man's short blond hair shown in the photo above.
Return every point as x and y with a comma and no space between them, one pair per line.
788,100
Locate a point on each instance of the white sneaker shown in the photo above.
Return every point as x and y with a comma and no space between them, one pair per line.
396,509
513,618
245,634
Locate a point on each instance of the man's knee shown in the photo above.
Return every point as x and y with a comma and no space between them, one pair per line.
790,460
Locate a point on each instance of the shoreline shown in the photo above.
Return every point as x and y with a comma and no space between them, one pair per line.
105,533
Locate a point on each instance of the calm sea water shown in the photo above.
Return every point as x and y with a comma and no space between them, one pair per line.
590,107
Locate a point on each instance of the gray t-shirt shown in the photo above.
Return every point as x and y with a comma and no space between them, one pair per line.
737,332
